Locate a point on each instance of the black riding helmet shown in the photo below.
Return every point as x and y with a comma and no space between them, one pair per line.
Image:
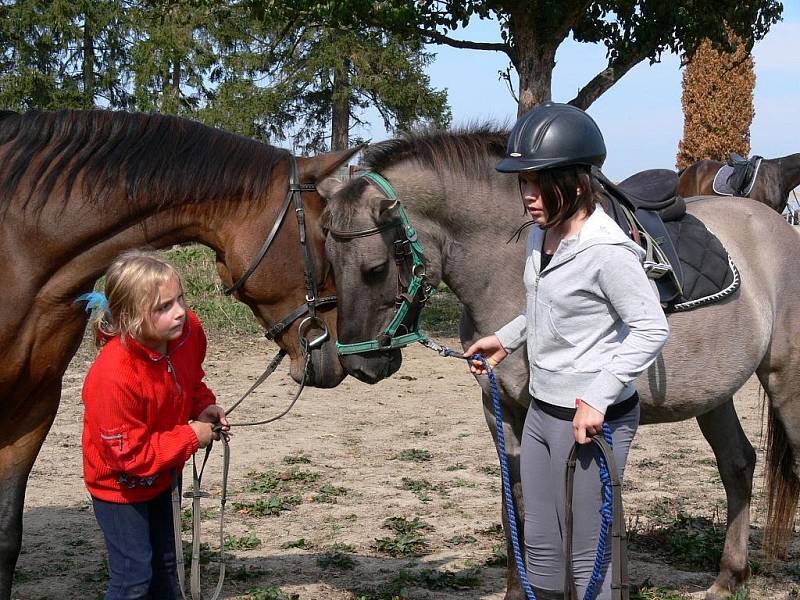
553,135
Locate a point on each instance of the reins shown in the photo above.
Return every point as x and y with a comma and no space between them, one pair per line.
312,302
612,516
410,303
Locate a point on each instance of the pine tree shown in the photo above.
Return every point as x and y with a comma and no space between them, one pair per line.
717,104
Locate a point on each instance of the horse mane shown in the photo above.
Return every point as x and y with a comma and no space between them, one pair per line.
455,151
441,150
159,159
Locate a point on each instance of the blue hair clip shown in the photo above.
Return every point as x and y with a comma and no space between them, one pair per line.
96,303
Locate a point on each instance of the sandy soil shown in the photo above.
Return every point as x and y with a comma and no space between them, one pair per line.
332,540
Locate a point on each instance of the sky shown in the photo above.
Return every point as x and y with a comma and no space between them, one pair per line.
640,116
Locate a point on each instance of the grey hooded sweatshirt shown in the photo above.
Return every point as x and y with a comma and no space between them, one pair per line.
592,322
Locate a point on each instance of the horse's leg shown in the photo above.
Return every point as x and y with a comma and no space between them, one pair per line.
20,440
514,421
736,462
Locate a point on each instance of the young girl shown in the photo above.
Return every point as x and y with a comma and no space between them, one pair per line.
592,324
146,411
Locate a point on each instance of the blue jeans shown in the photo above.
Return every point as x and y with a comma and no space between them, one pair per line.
140,541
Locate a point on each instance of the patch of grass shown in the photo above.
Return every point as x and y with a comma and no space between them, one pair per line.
299,543
432,579
297,459
461,540
337,556
420,488
270,593
203,290
271,506
244,542
499,557
269,481
329,493
687,542
442,313
408,539
491,470
456,467
403,525
495,530
186,517
414,455
648,592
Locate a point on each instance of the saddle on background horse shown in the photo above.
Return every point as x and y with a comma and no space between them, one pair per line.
688,263
738,177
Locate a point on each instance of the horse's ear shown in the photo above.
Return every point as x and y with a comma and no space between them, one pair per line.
328,187
316,168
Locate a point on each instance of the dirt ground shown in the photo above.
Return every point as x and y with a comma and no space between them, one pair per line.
346,460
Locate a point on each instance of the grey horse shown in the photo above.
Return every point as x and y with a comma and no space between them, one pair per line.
464,212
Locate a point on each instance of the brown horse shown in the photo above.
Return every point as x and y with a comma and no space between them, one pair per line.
78,188
463,211
776,179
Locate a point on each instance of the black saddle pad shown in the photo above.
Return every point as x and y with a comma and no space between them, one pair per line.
708,273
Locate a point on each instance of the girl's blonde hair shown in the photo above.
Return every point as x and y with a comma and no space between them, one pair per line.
132,283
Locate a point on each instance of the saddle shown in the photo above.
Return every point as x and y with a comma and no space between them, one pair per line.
737,177
688,264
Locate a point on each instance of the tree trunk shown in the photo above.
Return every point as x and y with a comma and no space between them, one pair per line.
534,59
340,119
88,61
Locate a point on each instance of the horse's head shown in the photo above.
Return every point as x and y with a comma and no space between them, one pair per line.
362,224
289,287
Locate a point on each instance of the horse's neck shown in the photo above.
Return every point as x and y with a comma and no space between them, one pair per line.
465,229
790,172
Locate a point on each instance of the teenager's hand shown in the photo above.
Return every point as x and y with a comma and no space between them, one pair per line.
214,414
587,422
491,348
203,431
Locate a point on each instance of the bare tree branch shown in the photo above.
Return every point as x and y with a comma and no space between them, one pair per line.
440,38
601,82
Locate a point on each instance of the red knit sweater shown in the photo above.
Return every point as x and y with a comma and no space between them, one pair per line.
137,404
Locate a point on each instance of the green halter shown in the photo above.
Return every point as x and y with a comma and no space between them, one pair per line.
413,298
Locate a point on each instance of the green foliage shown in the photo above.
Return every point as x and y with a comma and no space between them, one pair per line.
269,593
648,592
203,289
442,313
244,542
328,494
274,505
337,556
532,31
408,539
297,459
687,542
415,455
499,557
420,487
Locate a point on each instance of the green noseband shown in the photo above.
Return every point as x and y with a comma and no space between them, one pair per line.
404,327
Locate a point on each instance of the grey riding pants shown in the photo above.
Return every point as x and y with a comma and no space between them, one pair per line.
546,444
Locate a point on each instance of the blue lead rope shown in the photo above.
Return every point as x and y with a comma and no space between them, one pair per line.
605,510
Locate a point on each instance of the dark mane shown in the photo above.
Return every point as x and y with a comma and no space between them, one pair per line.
459,151
159,159
453,150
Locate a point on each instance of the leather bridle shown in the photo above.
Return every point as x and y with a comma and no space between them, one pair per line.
294,195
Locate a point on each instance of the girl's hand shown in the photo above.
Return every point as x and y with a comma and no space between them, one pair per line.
489,347
214,414
203,431
587,422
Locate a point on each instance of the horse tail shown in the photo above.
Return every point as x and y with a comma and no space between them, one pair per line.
783,488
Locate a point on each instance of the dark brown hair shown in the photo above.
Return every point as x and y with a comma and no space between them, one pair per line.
560,189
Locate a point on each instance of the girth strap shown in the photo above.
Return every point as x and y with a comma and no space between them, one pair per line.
619,553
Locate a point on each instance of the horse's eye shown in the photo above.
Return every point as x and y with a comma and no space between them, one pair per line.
376,271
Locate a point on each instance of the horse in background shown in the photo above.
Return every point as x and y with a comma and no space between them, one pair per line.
77,188
463,212
775,180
